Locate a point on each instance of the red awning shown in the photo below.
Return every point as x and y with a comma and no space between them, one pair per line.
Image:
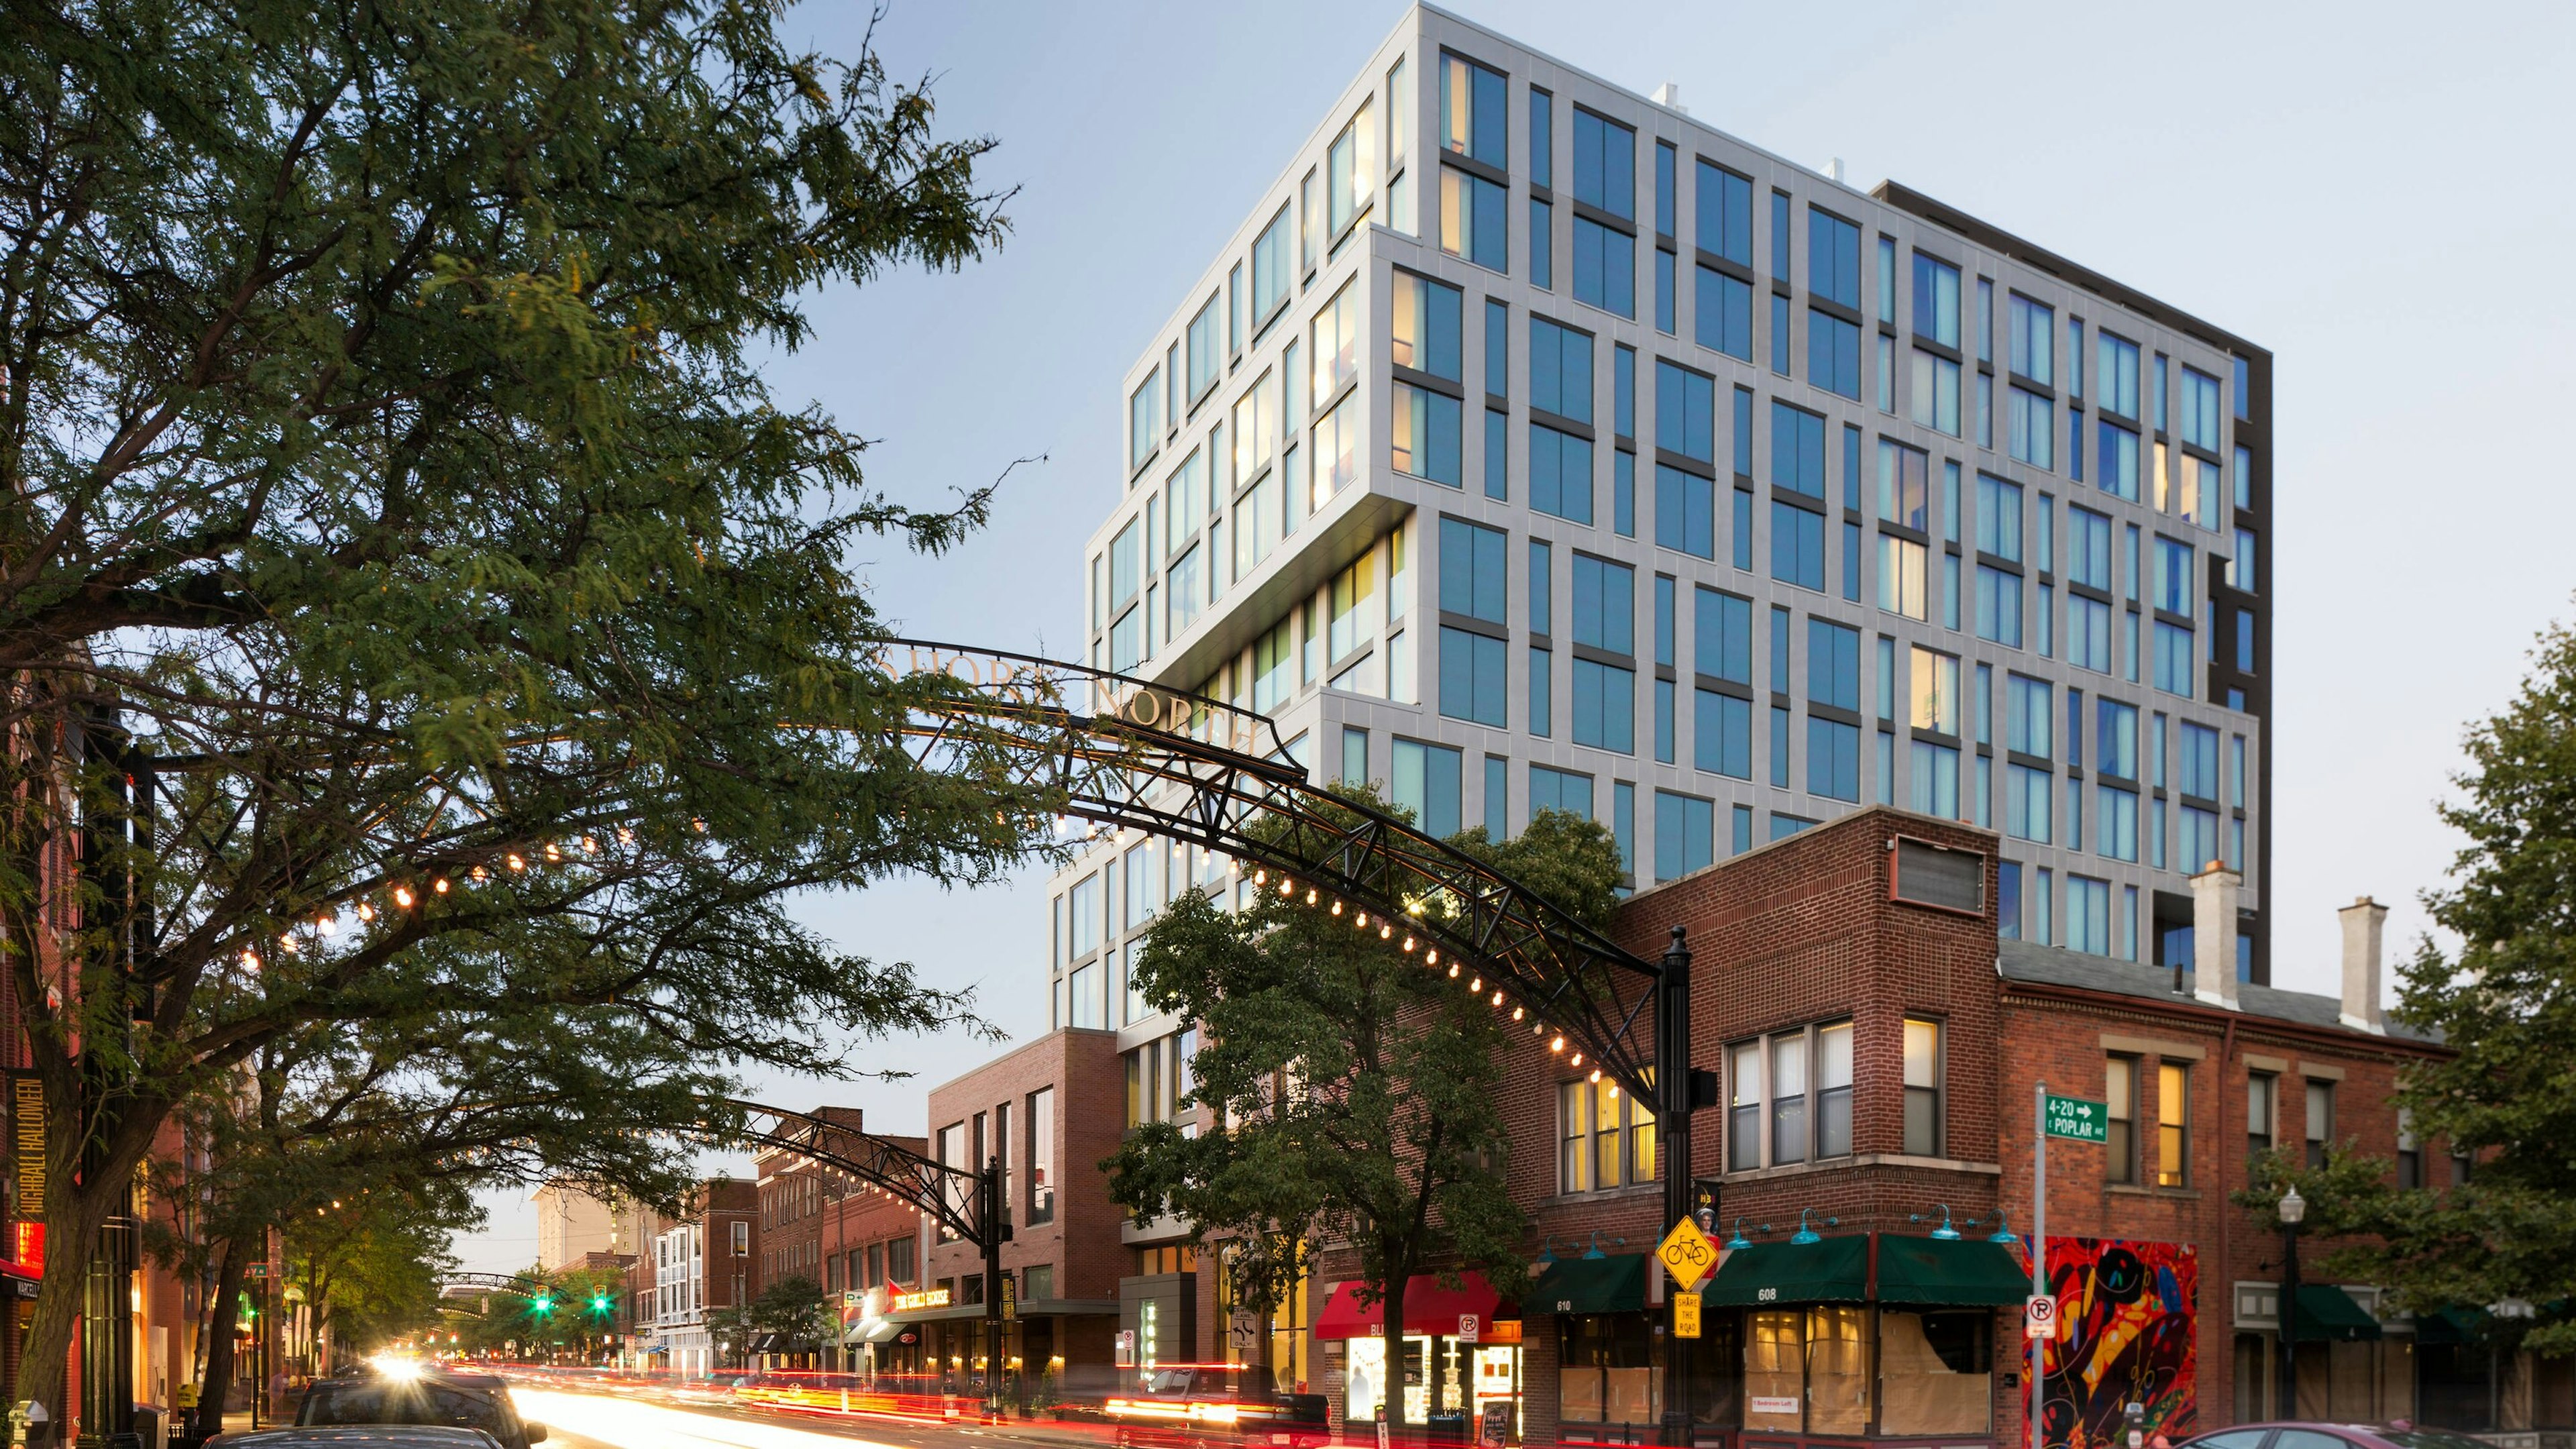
1429,1308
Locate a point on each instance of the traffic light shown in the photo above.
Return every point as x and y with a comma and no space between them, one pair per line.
542,1304
599,1304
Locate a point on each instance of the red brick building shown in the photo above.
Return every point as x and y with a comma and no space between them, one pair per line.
1047,1111
1878,1052
705,1261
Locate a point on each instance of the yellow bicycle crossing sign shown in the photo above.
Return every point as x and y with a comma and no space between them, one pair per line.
1687,1254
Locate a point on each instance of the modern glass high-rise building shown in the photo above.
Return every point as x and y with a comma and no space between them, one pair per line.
1535,444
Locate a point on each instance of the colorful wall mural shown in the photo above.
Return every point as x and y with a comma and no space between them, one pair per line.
2125,1336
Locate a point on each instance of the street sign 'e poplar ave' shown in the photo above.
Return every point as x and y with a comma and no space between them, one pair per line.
2078,1120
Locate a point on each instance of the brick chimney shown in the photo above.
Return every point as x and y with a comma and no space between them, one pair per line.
2213,934
2362,921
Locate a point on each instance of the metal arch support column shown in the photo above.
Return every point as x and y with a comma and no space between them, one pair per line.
1673,1154
991,1217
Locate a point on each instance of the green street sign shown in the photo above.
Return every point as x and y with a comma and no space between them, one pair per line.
2078,1120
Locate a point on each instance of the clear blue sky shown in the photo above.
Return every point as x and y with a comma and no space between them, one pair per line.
2371,191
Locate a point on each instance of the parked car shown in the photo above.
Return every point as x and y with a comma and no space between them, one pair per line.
463,1400
360,1436
2305,1434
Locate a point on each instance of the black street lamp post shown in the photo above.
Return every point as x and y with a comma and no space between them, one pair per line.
2292,1209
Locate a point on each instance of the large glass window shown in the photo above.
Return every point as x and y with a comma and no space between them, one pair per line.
1722,313
1270,263
1472,222
2030,428
1424,326
1560,370
2030,331
1473,585
1605,266
1206,351
2120,1095
1424,434
1425,779
1335,344
1936,300
1833,258
1144,426
1724,204
1935,392
1607,1137
1605,610
2115,380
2200,418
2173,1124
1833,353
1351,172
1605,164
1685,834
1472,111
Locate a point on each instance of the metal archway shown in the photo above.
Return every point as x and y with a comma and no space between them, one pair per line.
1133,754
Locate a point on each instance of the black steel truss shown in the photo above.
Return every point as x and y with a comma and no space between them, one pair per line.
948,1194
1132,754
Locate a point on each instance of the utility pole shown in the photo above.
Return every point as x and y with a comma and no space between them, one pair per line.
2038,1398
1674,1099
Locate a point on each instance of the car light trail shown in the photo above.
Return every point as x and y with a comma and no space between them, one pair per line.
636,1424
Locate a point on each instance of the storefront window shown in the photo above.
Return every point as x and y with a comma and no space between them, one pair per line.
1775,1363
1936,1372
1607,1370
1837,1369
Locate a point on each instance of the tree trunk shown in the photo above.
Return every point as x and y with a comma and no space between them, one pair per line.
74,1213
1391,1334
219,1336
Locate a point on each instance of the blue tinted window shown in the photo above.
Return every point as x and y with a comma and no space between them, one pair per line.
1936,300
1541,595
1999,606
1744,431
2115,738
1833,258
1560,370
1498,454
2242,392
1605,164
1833,664
1472,121
1623,390
1833,354
2115,373
1664,165
1498,352
2030,428
1623,493
2173,658
2031,338
1560,474
1797,450
1685,511
1605,706
1605,267
1605,605
1722,314
1542,240
2088,548
1998,517
1685,412
1542,121
2200,409
1560,790
1797,545
2174,592
1722,636
1780,253
1471,219
2115,459
2199,762
1722,734
1685,834
1472,571
1833,759
1424,326
1473,677
1725,214
2029,722
1425,780
1426,442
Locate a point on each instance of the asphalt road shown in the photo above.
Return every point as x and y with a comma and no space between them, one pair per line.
608,1421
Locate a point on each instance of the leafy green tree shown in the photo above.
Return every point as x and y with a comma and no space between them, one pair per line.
2504,998
791,1309
1356,1091
388,490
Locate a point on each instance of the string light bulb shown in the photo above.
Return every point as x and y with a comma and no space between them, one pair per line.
366,911
625,836
1261,877
440,885
1362,921
1386,933
1453,970
1578,1059
1310,895
1518,1012
1596,1071
403,897
288,945
1337,908
1434,958
1408,943
326,925
1557,1045
590,845
479,873
553,851
1287,887
516,863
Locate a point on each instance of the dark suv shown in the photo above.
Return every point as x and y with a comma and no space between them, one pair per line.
472,1401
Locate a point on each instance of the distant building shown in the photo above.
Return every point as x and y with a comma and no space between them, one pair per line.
705,1262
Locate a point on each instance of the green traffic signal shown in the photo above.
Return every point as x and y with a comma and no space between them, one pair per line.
599,1303
544,1303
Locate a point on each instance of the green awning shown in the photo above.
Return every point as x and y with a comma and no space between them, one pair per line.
2446,1326
1612,1283
1949,1271
1761,1275
2326,1312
